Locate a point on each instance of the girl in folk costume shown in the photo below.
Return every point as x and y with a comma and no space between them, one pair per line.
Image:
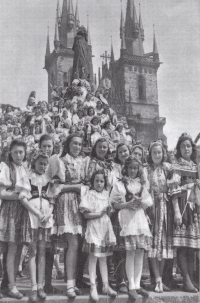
130,197
186,201
14,192
122,153
100,159
71,170
161,213
99,235
37,232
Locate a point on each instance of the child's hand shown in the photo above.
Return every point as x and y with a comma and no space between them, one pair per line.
103,212
44,219
134,204
177,218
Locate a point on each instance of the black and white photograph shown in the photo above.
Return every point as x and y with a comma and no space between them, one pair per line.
99,151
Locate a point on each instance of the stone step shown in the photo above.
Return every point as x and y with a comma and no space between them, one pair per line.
178,296
172,297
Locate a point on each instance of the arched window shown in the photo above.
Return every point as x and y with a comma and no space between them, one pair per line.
142,87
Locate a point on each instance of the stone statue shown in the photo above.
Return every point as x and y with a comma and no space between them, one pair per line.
81,64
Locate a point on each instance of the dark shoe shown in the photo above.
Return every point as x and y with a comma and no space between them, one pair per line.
4,285
18,295
60,275
166,288
33,296
142,292
50,290
20,274
78,291
71,294
41,294
133,294
123,288
188,286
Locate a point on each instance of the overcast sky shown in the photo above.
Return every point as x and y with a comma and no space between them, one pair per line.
23,30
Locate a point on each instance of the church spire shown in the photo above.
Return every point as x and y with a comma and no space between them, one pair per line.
70,15
132,31
155,48
112,58
88,32
58,15
48,52
56,36
63,29
141,25
121,22
77,19
48,45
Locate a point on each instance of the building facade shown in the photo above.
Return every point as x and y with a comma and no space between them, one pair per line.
133,77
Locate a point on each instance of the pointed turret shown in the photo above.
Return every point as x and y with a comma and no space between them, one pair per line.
48,45
141,25
67,29
58,15
56,36
70,15
77,19
121,23
155,48
63,29
88,32
132,31
48,52
112,57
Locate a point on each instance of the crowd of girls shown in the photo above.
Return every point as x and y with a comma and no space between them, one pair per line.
111,211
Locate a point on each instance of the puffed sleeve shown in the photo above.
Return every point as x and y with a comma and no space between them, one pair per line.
5,175
56,168
85,200
22,185
117,194
174,181
146,199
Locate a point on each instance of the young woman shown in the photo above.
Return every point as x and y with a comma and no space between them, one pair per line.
71,170
161,213
130,197
186,234
14,192
122,153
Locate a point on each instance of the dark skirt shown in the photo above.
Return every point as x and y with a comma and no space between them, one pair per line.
188,234
161,226
33,235
11,216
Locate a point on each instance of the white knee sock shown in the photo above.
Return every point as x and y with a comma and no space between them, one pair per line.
103,269
92,269
70,285
130,256
139,255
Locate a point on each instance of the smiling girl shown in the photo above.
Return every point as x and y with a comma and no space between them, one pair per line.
186,234
99,235
161,214
71,171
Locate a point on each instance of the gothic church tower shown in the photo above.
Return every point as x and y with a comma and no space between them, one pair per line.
134,91
59,63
